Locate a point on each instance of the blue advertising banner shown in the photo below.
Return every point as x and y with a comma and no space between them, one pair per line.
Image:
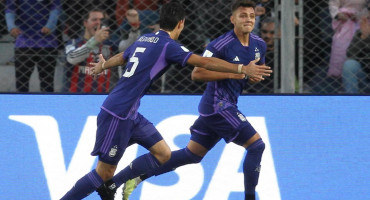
317,147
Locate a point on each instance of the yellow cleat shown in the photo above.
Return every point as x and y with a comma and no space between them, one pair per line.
129,187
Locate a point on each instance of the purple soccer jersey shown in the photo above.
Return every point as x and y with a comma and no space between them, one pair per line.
222,94
147,59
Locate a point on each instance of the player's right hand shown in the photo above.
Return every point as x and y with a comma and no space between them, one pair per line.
254,70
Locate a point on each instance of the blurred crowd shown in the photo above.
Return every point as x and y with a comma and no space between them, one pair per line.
336,51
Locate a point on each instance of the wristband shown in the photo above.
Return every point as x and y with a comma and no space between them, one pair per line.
240,66
102,66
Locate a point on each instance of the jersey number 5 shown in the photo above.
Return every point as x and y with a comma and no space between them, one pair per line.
135,60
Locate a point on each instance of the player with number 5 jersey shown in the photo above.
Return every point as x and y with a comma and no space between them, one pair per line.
119,124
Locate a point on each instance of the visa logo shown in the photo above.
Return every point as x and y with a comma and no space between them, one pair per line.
226,178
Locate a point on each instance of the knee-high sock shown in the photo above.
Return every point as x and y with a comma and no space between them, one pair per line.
252,167
83,187
139,166
178,158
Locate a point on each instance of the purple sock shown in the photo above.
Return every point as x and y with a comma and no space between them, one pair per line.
178,158
83,187
252,167
139,166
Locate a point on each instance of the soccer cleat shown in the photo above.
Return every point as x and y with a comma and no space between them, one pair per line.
129,187
107,190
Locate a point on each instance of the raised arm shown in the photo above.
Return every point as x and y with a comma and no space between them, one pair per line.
215,64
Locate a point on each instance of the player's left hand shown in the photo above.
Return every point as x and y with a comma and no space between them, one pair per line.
97,67
253,80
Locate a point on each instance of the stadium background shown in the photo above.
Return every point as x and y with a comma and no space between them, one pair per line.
309,41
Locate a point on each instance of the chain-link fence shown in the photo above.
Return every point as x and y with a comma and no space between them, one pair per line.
46,45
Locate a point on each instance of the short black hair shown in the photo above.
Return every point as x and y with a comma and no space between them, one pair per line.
242,3
171,14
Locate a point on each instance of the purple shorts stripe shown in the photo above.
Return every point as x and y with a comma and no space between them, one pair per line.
105,141
233,117
110,134
227,116
199,132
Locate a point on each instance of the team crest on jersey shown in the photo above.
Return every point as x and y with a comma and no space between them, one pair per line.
257,53
113,151
241,117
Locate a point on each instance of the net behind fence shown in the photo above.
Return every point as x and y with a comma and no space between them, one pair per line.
47,45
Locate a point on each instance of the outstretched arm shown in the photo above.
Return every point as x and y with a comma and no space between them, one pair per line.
201,74
215,64
116,60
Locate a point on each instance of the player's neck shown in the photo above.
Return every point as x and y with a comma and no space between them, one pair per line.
172,34
243,38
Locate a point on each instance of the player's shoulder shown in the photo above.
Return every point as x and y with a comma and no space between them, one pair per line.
257,38
223,40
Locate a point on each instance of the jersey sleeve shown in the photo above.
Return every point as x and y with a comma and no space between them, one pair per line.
210,51
177,54
127,53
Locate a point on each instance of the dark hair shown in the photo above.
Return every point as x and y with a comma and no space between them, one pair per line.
242,3
171,14
87,14
269,20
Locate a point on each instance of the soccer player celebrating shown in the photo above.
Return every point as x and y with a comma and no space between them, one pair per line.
219,115
119,124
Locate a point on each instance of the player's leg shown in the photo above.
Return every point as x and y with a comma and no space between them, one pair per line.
90,182
145,134
178,158
194,152
251,140
109,146
232,125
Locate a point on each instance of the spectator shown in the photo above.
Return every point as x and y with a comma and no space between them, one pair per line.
3,30
317,39
86,49
33,25
345,15
130,30
148,11
356,69
74,11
